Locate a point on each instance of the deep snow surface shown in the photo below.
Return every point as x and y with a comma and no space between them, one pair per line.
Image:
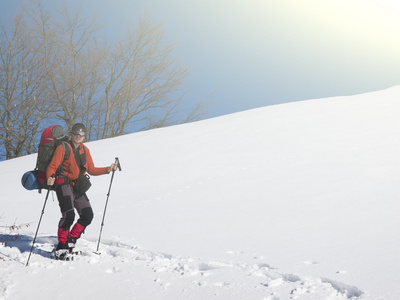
294,201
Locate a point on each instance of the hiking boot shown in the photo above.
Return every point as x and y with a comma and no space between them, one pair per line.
62,246
71,243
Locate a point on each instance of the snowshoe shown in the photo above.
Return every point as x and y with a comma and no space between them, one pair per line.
62,254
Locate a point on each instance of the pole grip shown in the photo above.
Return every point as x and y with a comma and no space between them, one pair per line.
118,164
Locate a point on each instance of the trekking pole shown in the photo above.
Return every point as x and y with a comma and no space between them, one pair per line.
40,220
105,207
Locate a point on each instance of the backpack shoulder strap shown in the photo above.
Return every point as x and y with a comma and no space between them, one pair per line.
67,149
83,156
80,158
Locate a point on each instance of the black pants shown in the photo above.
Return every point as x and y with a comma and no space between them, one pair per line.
69,201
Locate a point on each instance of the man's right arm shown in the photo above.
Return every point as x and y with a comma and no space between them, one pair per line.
56,161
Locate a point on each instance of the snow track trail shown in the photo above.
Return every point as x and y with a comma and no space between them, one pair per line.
129,268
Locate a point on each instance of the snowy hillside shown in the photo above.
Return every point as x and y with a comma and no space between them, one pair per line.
294,201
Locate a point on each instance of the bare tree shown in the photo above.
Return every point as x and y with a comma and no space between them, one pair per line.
69,61
23,96
54,68
142,82
112,88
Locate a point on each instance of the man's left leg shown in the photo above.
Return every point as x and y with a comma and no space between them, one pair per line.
84,209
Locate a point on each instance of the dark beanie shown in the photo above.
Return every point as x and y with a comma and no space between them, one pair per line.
78,127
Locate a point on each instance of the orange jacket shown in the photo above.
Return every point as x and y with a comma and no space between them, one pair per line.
71,169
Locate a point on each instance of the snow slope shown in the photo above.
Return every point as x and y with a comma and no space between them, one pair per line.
294,201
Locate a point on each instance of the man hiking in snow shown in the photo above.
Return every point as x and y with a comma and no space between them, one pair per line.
71,186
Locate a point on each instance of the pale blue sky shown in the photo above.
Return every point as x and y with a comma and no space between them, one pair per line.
253,53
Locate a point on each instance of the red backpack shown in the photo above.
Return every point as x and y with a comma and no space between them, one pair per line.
51,138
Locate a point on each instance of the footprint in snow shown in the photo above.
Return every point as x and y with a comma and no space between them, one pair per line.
222,284
232,252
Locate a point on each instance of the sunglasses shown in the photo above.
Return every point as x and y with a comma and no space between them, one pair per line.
78,132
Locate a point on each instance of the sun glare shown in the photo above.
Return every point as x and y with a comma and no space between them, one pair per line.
361,25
